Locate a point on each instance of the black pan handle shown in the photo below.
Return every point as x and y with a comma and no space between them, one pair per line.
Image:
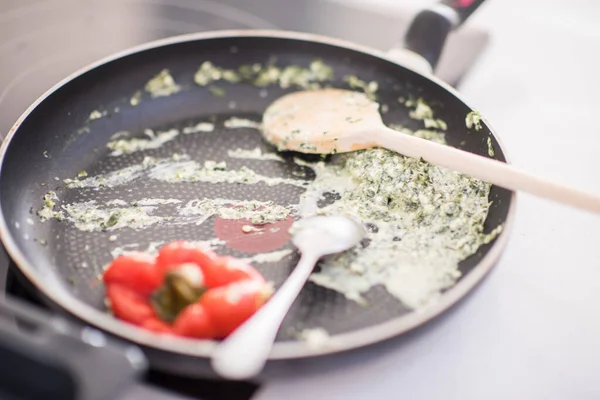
429,29
46,357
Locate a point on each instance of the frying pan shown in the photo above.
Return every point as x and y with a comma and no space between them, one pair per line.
55,139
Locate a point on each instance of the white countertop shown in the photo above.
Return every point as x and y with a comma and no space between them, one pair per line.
531,330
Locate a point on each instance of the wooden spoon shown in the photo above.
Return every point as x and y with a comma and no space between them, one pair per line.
329,121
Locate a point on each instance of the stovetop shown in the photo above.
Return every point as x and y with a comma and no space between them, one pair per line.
42,41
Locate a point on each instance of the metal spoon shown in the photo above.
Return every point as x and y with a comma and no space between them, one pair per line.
244,352
335,121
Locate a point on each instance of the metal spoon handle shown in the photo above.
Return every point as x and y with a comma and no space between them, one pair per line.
489,170
243,353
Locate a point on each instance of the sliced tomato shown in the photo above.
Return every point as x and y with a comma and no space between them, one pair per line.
230,306
225,270
128,305
136,271
194,322
156,325
181,252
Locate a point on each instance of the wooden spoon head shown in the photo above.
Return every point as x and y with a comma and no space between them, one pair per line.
322,121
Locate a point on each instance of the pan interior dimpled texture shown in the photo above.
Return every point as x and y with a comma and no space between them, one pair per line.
49,145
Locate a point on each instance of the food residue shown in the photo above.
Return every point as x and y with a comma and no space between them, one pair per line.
258,212
251,228
96,114
422,219
235,122
315,338
423,112
90,216
491,151
153,141
473,119
369,88
179,169
254,154
271,257
161,85
199,127
309,77
136,98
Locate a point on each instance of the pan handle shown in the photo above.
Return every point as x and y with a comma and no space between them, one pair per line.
428,31
45,356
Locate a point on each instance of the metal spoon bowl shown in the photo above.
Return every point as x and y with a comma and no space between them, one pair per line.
243,354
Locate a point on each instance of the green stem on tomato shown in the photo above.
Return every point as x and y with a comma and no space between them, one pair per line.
176,293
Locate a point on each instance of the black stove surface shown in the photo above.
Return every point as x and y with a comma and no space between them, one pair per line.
43,41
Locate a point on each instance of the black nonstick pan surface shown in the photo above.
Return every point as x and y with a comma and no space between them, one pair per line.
56,139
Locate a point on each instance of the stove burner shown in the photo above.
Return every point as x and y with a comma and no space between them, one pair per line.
44,41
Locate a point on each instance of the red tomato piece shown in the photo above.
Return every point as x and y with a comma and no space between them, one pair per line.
194,322
157,326
128,305
230,306
225,270
136,271
182,252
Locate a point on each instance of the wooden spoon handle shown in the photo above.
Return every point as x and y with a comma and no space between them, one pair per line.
495,172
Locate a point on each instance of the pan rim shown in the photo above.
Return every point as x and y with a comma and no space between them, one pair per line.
281,350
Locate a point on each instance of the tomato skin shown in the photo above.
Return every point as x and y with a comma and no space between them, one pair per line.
157,326
179,275
128,305
182,252
225,270
136,271
230,306
194,322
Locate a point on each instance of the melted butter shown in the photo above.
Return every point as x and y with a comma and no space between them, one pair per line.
153,141
254,154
